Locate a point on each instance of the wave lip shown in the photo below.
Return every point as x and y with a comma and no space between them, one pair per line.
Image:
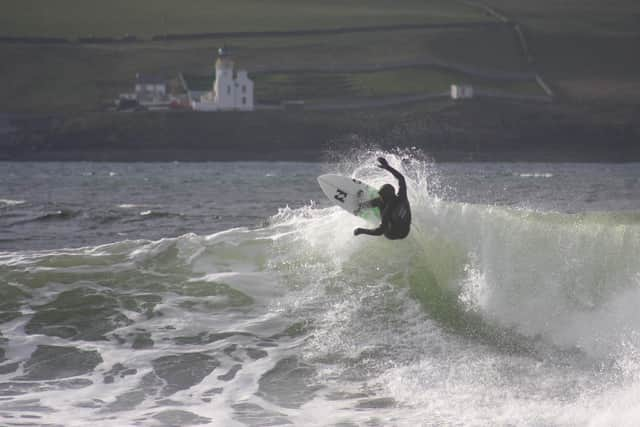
563,279
11,202
536,175
131,206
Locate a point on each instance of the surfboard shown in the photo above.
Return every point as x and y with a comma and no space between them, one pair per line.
350,194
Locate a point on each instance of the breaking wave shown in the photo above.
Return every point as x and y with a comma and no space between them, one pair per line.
297,318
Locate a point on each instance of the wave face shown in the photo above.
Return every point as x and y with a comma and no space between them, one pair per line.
486,315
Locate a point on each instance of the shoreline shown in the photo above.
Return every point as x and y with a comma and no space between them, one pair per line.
317,157
477,131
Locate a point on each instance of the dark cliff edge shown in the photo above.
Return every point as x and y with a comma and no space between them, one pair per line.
472,131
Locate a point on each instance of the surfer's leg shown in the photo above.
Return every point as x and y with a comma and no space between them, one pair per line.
371,232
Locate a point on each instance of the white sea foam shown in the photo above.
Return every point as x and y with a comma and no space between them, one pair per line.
11,202
563,282
130,206
535,175
483,316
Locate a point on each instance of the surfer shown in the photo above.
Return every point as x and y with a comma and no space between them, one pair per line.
394,208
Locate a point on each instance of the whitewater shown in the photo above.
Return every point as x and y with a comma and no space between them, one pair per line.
236,295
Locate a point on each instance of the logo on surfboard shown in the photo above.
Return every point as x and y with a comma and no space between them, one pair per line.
340,195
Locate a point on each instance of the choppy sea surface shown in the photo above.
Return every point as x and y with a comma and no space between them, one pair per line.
234,294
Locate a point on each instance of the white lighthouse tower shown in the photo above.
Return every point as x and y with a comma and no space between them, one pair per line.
224,84
229,92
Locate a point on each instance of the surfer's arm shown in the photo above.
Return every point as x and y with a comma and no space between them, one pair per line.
375,231
373,203
402,190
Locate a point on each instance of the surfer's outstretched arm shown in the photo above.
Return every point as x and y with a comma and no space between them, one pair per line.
402,190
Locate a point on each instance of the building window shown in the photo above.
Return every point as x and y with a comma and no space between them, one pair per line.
244,89
228,90
244,100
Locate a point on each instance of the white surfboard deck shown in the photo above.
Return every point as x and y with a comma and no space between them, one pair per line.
349,194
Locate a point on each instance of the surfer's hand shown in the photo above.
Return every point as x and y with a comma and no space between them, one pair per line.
383,163
356,231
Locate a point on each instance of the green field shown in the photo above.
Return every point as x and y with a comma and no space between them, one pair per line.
82,18
492,48
86,78
317,87
585,48
574,16
414,80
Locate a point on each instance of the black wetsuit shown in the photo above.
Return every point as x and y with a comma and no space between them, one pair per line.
395,213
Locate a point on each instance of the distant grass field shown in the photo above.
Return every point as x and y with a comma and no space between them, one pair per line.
99,18
86,78
415,80
574,16
411,81
492,48
273,88
586,48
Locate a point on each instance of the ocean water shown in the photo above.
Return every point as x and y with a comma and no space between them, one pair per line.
233,294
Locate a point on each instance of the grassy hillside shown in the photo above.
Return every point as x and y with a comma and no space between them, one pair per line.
85,77
274,88
588,48
574,16
81,18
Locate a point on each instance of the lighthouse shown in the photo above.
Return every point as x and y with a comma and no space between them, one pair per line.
229,91
224,84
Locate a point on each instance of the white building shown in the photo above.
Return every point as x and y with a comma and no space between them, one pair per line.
229,92
461,91
150,86
150,92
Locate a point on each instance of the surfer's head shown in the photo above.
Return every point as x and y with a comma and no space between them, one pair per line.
387,192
